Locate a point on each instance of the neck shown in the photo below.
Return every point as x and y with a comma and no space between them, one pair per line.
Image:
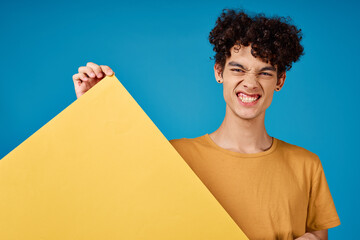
242,135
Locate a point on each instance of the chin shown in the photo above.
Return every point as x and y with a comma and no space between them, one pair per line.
247,116
240,112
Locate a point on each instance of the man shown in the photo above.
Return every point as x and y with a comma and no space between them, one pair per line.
272,189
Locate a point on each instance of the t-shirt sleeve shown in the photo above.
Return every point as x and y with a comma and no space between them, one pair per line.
321,210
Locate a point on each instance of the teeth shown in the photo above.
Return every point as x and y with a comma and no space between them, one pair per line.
246,99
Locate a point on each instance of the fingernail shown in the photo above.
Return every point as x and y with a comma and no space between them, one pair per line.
109,72
100,75
92,75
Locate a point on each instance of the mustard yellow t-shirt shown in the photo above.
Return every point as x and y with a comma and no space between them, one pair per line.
275,194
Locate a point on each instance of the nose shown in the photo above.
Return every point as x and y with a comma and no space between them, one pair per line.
250,82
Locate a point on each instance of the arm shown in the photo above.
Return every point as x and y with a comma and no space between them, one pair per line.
314,235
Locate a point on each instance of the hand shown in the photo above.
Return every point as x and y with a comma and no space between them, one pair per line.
89,76
308,236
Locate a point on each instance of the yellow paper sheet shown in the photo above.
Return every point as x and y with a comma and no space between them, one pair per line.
102,170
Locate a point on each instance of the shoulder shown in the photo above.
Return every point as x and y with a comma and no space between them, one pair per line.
190,146
304,163
298,153
187,142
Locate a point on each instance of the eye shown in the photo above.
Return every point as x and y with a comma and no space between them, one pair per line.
236,70
266,74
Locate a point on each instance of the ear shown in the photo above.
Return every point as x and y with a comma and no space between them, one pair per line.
218,73
280,81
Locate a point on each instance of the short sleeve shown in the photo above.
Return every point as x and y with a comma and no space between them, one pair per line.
321,210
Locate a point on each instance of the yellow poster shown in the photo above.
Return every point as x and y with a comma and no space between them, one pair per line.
102,170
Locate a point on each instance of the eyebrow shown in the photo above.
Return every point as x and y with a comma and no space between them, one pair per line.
270,68
236,64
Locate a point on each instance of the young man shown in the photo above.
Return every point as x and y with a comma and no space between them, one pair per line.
272,189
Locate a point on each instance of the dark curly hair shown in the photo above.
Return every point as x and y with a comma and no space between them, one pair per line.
275,40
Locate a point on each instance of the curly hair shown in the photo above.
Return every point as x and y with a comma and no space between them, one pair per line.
275,40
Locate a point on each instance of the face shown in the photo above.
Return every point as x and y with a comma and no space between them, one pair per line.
248,83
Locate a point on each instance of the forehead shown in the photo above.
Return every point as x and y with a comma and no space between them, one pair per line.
243,56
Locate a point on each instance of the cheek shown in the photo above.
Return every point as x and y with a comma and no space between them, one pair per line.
268,99
227,92
269,88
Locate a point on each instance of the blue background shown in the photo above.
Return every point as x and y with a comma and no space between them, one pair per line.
160,52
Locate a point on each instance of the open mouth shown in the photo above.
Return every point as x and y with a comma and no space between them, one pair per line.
248,98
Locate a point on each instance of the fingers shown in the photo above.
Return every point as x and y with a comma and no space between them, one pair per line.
107,70
96,69
79,77
92,73
88,76
88,71
93,70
